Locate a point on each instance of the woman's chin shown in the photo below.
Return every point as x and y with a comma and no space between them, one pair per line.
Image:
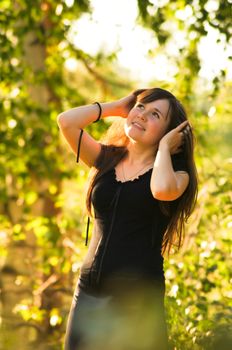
132,135
132,132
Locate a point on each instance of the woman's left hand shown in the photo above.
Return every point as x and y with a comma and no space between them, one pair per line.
174,138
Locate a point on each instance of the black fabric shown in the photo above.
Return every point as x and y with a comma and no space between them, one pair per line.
97,323
128,232
123,262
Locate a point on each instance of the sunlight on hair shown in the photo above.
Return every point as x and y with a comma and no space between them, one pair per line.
115,133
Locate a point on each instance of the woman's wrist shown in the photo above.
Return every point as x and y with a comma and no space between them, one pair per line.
163,146
99,111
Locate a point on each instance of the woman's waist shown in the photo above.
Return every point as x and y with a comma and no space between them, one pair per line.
121,283
118,275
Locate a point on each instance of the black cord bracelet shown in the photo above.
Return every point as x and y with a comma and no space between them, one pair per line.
100,111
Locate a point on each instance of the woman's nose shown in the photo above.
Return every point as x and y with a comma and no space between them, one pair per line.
141,115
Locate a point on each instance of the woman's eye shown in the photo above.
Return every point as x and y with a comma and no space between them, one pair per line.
155,114
139,106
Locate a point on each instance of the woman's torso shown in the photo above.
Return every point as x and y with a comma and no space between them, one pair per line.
126,242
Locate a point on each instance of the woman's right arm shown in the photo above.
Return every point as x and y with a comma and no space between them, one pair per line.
73,120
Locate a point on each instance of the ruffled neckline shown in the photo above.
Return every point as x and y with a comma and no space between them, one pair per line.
131,180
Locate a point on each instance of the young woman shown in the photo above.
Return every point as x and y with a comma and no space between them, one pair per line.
142,190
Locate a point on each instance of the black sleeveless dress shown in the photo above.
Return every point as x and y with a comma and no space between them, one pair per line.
122,276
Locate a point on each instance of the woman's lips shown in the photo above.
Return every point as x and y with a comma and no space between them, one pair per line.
138,126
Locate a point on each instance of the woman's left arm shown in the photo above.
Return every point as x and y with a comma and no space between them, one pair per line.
167,184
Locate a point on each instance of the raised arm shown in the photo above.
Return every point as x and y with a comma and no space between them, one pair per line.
73,121
167,184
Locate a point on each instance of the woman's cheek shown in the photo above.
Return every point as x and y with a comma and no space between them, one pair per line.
130,117
157,133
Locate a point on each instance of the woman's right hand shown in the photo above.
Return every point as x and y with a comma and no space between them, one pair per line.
124,105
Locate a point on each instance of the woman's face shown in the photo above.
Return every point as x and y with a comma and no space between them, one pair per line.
148,122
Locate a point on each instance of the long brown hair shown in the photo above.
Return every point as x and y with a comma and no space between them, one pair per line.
114,149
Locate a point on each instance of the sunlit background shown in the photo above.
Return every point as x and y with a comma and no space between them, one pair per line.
58,54
112,27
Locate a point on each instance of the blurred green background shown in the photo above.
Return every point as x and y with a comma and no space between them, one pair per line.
48,67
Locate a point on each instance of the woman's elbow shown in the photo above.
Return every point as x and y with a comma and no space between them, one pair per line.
165,194
61,120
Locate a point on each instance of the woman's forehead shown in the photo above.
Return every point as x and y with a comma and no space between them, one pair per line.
161,105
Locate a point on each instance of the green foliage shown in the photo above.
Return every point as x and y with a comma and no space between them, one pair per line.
193,19
42,217
216,14
199,300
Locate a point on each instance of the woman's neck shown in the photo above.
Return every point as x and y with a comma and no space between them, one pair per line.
140,155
